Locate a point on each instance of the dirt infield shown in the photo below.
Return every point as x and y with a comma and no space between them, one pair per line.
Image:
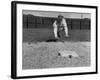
45,55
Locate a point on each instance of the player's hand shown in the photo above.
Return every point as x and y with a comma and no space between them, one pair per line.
57,38
66,36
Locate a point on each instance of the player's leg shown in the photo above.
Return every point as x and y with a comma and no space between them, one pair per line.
58,33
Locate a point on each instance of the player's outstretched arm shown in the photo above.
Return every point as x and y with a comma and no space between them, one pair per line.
65,27
55,29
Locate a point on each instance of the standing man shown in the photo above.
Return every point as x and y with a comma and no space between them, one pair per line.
60,25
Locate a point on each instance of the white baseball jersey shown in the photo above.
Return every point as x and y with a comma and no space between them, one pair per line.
59,26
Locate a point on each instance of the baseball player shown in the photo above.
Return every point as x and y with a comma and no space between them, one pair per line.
60,25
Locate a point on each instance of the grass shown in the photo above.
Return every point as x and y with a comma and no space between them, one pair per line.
39,34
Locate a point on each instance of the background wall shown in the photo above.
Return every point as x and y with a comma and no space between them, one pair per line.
32,21
5,40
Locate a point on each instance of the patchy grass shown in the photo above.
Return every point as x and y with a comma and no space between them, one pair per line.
45,55
40,35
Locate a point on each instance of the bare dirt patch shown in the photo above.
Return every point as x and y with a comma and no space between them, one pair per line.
45,55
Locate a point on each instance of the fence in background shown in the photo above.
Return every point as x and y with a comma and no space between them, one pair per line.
30,21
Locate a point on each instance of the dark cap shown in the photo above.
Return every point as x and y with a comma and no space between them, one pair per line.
60,16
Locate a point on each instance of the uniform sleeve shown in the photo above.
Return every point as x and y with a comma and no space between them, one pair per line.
55,29
64,23
65,27
54,24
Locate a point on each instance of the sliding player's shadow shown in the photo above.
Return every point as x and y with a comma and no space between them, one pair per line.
52,40
61,37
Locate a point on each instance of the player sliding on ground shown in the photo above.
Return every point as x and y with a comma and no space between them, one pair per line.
60,25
